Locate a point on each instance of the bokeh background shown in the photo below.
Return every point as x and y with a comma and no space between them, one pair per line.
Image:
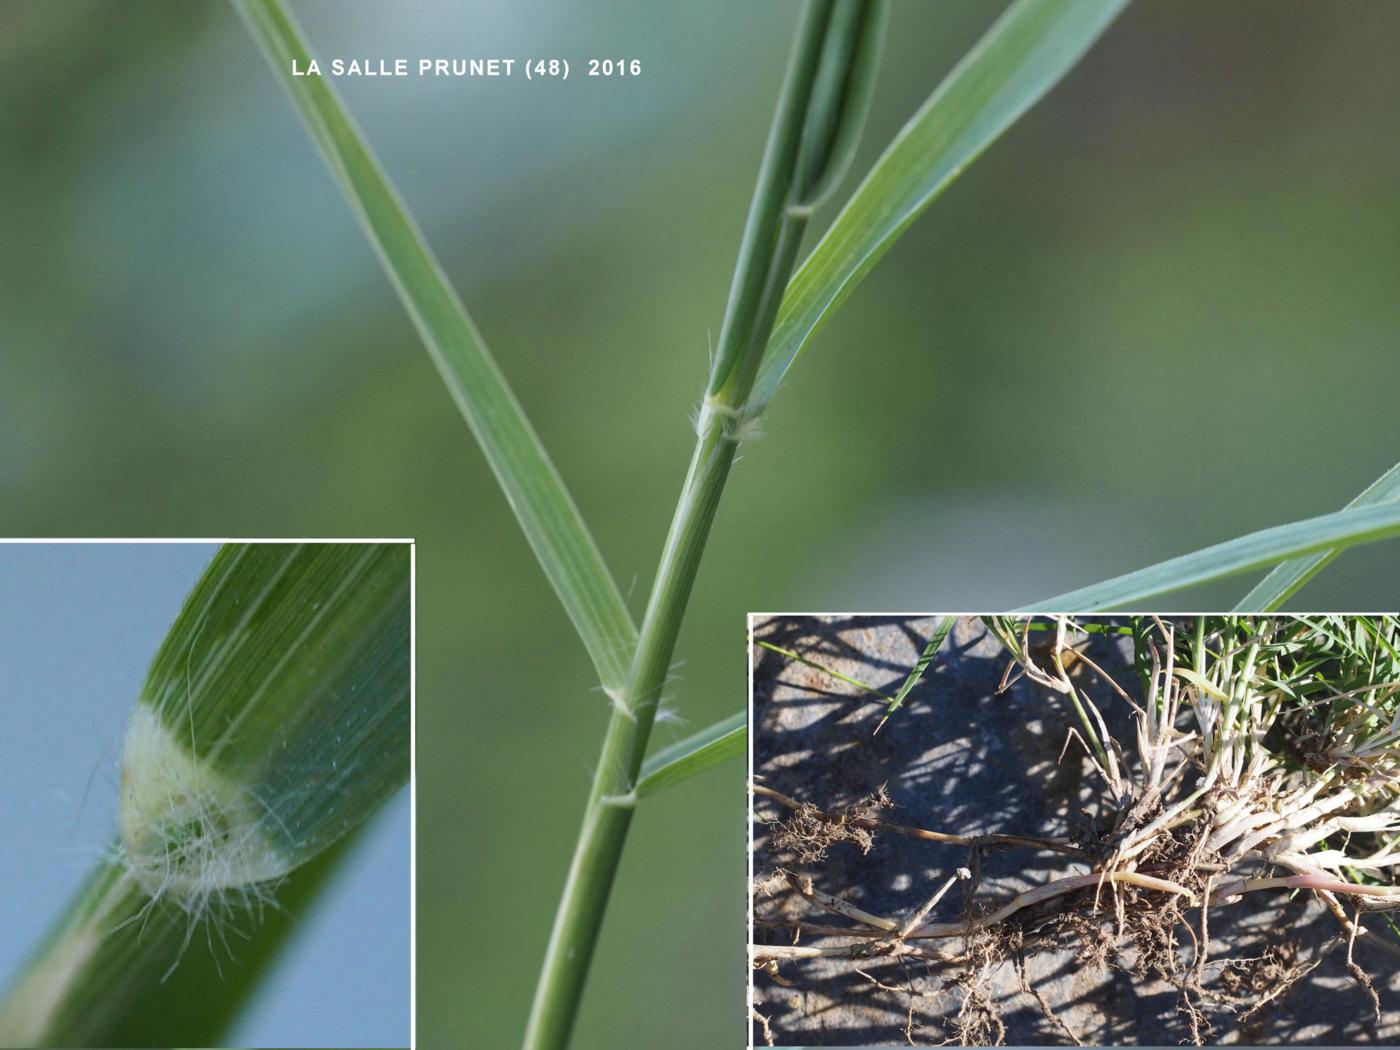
79,625
1159,313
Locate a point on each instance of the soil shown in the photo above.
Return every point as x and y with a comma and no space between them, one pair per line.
961,757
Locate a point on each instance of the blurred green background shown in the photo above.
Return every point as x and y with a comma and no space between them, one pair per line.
1161,312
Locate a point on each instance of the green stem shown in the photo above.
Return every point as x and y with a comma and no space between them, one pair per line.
796,161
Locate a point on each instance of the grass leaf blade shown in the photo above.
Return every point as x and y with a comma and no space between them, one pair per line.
694,754
925,658
543,506
1287,579
1030,48
1256,550
799,658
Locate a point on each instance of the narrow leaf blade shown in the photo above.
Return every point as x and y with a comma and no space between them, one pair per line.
799,658
694,754
543,506
935,641
1030,48
1287,579
1257,550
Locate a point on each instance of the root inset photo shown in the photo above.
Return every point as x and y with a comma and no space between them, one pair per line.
1075,830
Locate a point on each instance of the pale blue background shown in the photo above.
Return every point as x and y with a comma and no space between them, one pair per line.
78,625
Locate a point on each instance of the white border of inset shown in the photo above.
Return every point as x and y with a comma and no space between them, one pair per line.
748,822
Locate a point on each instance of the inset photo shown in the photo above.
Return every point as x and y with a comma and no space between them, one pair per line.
205,754
1138,830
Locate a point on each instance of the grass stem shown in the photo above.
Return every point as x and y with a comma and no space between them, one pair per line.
791,168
